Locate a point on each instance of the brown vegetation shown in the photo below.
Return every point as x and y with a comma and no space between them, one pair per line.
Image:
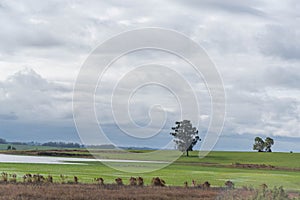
132,181
13,178
58,191
254,166
35,185
186,184
158,182
38,178
205,185
92,191
49,179
99,180
27,178
140,181
229,184
119,181
4,177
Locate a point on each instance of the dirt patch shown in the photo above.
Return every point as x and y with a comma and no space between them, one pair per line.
262,166
62,154
54,153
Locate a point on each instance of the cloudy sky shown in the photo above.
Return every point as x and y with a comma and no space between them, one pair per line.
254,45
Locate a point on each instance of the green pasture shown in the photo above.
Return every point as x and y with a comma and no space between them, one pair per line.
278,159
184,169
25,147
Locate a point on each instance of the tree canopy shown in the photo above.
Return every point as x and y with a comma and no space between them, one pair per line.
268,143
260,145
185,136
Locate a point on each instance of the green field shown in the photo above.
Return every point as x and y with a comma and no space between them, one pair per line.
25,147
290,160
215,168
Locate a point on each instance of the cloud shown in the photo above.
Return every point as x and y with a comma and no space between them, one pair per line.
9,116
280,41
232,6
262,113
28,96
283,76
255,46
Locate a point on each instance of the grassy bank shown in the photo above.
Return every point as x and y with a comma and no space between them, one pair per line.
216,168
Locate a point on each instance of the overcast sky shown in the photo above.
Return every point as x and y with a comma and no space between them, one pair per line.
254,45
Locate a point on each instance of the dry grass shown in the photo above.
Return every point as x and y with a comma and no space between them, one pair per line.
24,191
92,191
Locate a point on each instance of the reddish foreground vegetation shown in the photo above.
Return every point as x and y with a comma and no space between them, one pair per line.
94,191
58,191
36,186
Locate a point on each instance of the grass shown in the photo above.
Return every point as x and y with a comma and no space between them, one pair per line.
174,174
290,160
25,147
184,169
278,159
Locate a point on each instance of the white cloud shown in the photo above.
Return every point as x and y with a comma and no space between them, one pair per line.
26,96
255,46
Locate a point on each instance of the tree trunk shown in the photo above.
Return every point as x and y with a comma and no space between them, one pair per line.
187,153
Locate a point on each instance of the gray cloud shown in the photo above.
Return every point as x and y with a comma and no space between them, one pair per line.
232,6
283,76
30,97
9,116
281,40
265,113
255,45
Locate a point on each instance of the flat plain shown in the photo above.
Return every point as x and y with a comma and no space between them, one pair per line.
249,169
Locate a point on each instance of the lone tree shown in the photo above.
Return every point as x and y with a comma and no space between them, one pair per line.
268,143
261,145
185,136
